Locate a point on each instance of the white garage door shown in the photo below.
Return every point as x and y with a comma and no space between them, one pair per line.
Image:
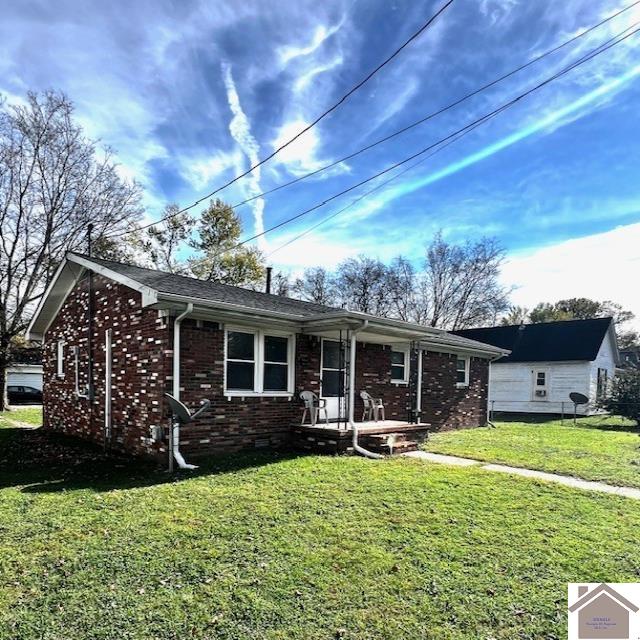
25,379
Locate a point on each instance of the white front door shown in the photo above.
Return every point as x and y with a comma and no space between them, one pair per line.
332,365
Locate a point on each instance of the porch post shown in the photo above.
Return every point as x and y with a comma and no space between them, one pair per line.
352,375
419,385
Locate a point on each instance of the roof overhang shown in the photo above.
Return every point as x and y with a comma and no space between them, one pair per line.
370,328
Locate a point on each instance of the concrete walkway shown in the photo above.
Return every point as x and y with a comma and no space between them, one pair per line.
568,481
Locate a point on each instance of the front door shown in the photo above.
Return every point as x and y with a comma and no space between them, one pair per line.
332,378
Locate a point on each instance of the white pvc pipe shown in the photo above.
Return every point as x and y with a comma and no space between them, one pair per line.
352,378
175,430
419,398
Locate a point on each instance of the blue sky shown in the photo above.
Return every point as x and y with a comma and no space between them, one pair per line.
189,93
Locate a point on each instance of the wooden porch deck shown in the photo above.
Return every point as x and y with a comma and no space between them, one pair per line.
384,436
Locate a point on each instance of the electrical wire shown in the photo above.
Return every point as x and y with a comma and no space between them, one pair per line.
438,112
597,51
394,134
323,115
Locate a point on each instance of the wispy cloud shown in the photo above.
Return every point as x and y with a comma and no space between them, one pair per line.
547,124
322,32
240,129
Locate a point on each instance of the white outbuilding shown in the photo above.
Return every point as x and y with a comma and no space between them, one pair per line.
548,361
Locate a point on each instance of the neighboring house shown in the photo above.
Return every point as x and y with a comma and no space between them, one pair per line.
547,362
250,353
630,358
26,368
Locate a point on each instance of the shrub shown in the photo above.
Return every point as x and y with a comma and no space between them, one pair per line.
623,396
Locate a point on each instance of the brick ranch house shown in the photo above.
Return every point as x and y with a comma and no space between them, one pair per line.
117,337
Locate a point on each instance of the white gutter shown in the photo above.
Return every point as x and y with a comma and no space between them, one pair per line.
175,429
352,378
419,385
491,361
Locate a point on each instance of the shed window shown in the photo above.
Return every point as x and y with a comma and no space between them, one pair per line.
399,366
601,390
462,372
541,379
258,362
60,359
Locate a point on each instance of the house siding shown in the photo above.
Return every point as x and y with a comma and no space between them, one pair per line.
142,358
511,387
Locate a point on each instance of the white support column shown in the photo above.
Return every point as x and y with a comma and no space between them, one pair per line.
419,385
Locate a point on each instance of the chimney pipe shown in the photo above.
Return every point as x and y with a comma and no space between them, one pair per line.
268,287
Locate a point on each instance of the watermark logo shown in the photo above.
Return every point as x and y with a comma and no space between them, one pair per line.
607,611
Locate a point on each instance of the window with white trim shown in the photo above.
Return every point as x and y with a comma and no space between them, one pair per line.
462,372
258,362
60,359
400,365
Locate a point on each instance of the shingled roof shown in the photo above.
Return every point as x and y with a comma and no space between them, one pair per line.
545,341
172,283
162,288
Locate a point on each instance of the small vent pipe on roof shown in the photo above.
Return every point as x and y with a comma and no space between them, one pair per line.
268,283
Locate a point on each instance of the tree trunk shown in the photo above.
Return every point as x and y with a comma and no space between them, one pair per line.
4,365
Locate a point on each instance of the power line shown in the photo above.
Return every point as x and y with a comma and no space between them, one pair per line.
438,112
595,52
404,129
407,169
376,188
323,115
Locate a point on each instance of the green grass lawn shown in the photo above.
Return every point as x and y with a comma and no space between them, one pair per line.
24,415
597,448
301,548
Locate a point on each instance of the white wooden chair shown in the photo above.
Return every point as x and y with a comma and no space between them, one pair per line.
373,407
313,405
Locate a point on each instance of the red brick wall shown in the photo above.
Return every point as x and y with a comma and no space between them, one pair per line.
142,354
139,343
444,405
234,423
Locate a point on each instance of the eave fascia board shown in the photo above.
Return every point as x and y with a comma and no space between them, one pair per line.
222,316
203,304
377,321
442,347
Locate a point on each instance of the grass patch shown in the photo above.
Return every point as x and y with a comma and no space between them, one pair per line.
305,548
597,448
24,415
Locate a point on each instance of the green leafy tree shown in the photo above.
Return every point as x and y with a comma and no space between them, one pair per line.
547,312
516,315
162,243
217,233
623,396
